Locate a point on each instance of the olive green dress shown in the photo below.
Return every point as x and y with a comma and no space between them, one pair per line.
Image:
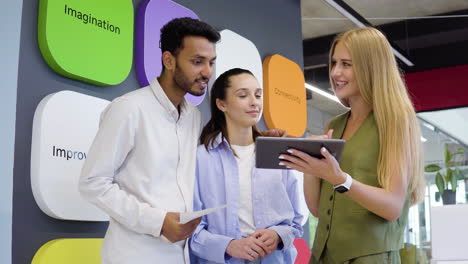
347,232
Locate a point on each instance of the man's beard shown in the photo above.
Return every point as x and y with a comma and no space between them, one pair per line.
185,84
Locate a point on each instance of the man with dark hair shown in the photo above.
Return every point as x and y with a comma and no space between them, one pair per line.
173,34
141,166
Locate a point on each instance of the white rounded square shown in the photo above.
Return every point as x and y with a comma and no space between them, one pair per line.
235,51
64,126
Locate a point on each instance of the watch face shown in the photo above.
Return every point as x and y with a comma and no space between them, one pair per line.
341,189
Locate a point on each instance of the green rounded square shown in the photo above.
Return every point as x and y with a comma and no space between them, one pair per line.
88,40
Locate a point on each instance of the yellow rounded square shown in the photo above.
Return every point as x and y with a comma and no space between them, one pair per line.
70,251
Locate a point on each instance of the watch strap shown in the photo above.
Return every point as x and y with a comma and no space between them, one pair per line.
344,187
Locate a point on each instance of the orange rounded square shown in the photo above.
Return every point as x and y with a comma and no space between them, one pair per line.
285,102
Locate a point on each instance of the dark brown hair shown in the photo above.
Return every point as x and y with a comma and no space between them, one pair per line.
174,32
217,123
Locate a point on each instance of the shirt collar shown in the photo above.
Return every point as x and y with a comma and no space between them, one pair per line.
218,140
161,96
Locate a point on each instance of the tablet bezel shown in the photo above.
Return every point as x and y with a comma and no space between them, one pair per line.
268,149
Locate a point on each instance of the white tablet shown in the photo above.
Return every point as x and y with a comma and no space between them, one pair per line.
268,149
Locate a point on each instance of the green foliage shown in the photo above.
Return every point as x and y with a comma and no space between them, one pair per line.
439,180
450,174
313,223
432,168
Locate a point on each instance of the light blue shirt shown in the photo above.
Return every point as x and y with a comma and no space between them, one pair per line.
276,198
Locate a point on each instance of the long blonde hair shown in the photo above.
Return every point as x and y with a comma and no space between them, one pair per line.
381,86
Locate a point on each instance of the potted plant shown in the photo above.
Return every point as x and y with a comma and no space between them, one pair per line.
449,174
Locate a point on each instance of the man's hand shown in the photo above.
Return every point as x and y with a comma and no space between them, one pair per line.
269,238
276,132
175,231
248,248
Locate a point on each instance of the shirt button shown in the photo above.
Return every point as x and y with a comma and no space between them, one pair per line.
328,227
331,197
329,212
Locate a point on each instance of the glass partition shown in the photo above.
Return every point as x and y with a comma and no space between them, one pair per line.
441,134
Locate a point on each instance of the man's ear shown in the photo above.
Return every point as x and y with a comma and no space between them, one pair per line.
168,60
220,104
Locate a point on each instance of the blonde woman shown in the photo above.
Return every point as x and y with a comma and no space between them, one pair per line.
362,202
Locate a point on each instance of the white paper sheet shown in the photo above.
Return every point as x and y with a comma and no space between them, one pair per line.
188,216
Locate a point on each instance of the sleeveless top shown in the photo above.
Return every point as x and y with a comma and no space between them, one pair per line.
346,229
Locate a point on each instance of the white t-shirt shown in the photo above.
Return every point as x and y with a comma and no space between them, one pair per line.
245,162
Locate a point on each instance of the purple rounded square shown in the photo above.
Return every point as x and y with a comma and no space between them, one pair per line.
151,17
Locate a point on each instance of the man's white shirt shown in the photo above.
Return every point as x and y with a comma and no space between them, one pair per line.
140,166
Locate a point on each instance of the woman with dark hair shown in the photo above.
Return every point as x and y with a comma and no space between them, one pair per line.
263,216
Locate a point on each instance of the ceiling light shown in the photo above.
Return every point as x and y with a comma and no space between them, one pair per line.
402,58
317,66
423,139
364,23
322,92
345,13
429,126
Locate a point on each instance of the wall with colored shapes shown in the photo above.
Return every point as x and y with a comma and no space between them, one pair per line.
256,21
